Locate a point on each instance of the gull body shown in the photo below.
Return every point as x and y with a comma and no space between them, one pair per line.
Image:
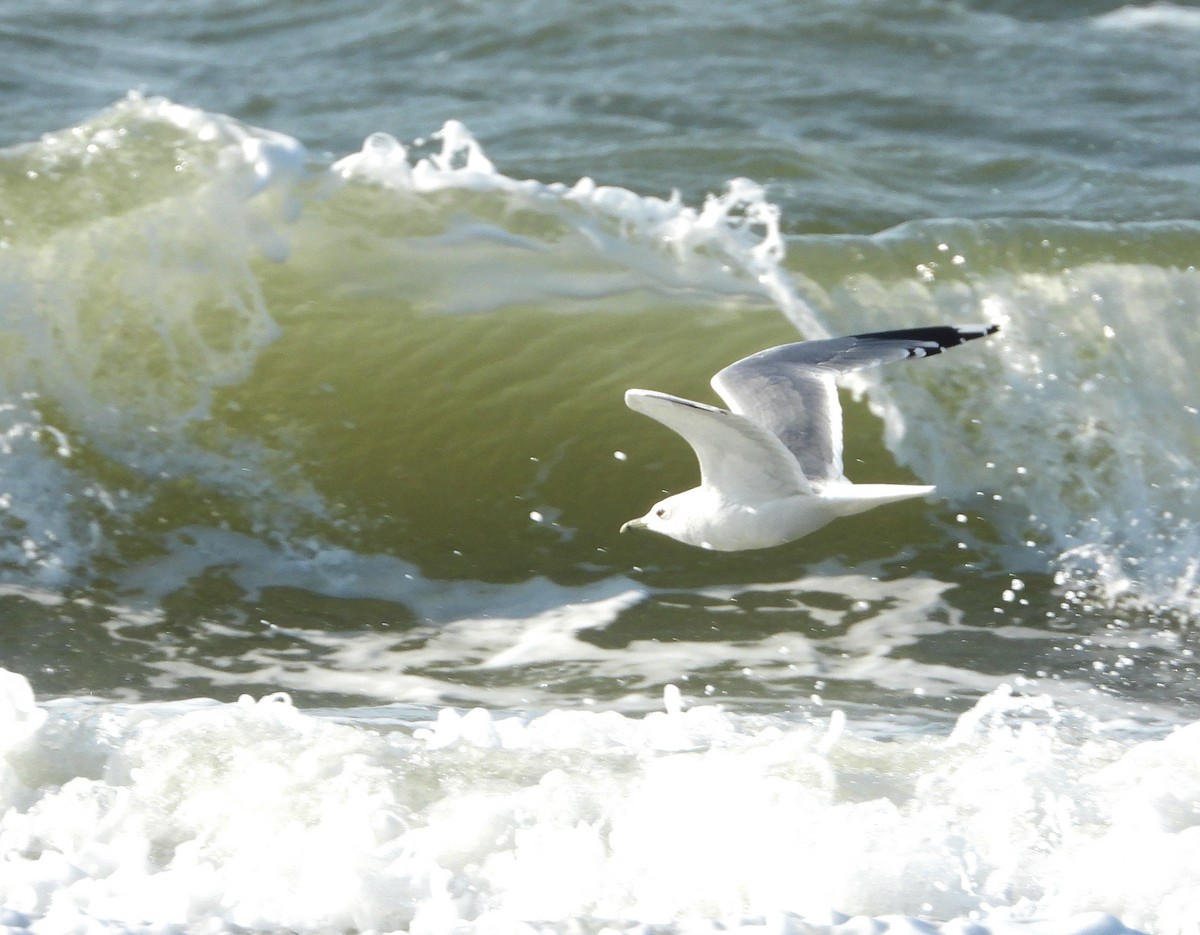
771,464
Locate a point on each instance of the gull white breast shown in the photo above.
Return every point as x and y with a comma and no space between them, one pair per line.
771,464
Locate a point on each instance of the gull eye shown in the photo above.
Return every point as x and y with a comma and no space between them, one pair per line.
660,512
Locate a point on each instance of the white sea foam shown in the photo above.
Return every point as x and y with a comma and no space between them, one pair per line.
732,244
535,645
1159,16
137,315
120,324
257,815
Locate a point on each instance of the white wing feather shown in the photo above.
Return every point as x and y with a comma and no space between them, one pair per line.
738,457
790,391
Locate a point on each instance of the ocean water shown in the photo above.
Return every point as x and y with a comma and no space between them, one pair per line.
315,320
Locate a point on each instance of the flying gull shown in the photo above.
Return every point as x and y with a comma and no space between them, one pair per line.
771,464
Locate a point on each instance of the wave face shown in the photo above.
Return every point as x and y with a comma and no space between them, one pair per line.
338,424
396,378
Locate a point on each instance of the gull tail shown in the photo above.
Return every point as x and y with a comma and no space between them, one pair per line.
858,498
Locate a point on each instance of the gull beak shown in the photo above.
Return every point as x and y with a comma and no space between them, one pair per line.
638,523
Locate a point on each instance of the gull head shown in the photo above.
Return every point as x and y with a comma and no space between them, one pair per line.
673,517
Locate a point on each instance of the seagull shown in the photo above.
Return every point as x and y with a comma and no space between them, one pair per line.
771,464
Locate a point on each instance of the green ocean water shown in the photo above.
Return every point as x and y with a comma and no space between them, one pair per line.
365,367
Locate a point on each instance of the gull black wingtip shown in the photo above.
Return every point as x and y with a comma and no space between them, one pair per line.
970,333
942,335
929,340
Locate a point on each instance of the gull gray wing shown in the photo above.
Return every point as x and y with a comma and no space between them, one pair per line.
789,390
737,456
